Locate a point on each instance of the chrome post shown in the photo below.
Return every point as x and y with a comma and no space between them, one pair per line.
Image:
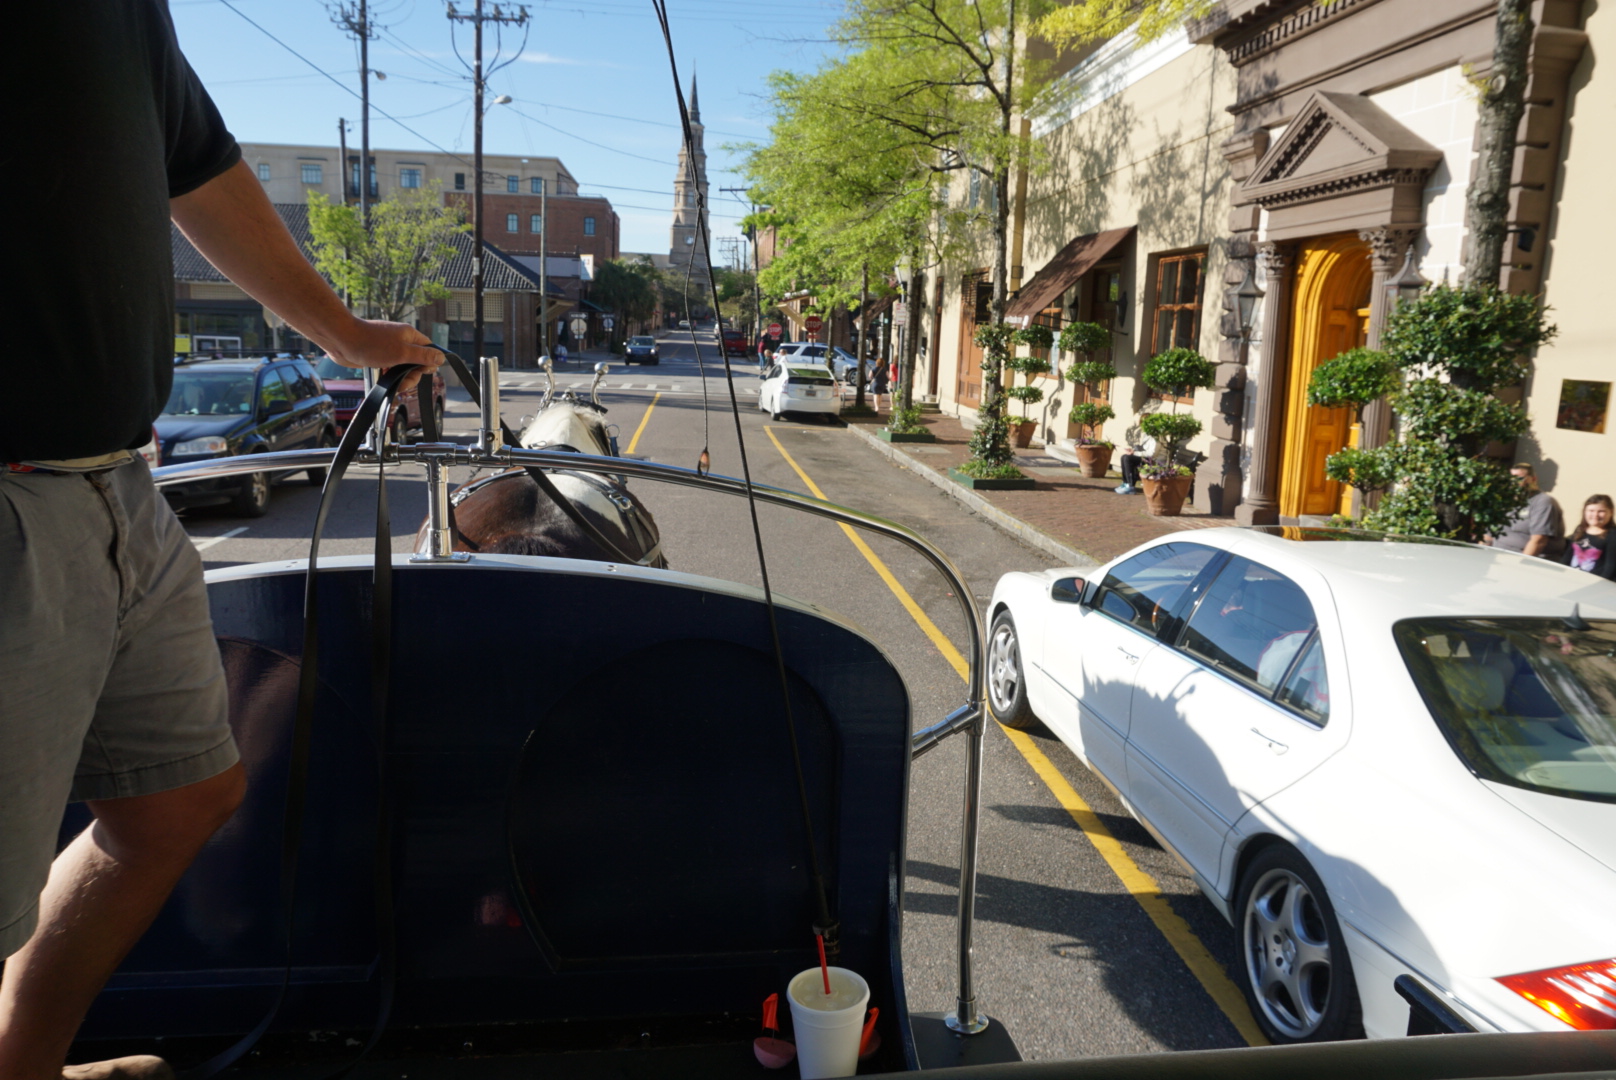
489,440
549,380
601,371
965,1019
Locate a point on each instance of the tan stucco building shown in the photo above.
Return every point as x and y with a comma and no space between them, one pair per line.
1312,145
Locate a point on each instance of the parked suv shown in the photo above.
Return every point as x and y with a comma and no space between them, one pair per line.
221,408
346,386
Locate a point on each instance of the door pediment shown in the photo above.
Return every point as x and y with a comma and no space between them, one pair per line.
1343,163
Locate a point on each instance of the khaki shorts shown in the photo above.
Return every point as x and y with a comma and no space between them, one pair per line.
110,681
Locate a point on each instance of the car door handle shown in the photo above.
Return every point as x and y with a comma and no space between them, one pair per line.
1273,744
1132,659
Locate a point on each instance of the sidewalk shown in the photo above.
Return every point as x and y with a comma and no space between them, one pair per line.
1071,516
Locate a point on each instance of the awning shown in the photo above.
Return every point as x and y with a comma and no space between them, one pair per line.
1060,273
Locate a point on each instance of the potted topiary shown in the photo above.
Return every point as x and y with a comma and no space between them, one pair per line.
1355,378
1093,452
1173,372
1034,337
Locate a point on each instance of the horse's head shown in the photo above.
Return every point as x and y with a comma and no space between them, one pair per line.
566,424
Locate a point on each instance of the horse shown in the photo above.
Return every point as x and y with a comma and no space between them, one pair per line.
507,513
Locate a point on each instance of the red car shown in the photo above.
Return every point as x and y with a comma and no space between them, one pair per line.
735,344
346,386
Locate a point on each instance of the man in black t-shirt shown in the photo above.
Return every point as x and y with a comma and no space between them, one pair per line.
111,688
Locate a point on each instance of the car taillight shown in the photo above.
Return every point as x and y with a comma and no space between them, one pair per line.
1581,995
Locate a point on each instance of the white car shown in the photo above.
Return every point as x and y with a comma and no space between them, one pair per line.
1377,759
842,362
798,387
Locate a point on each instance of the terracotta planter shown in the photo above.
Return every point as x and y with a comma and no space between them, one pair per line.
1094,461
1021,432
1165,498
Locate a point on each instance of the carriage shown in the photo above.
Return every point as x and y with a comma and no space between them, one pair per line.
452,867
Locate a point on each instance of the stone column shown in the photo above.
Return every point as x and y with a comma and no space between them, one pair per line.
1387,246
1261,506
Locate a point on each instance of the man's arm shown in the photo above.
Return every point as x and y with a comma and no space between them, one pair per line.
1535,545
234,225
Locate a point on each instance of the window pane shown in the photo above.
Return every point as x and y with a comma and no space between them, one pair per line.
1184,330
312,174
460,181
1189,281
1143,590
535,223
409,178
511,184
1251,623
263,170
589,226
511,223
536,185
272,389
1164,330
1308,688
1167,291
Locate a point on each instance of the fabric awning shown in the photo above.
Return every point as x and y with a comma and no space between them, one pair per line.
1058,274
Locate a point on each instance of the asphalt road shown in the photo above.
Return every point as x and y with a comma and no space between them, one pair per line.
1071,952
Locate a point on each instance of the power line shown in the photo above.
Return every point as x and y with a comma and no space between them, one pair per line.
591,142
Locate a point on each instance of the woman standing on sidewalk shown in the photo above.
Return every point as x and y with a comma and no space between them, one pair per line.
1589,547
879,384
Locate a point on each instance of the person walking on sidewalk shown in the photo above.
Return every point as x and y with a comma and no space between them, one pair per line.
111,687
879,384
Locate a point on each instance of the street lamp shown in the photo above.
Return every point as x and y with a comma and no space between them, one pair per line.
1408,284
1246,298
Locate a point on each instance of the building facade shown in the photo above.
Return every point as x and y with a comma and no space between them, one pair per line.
1312,146
518,192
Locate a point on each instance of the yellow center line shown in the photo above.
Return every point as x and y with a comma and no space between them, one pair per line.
1145,890
646,419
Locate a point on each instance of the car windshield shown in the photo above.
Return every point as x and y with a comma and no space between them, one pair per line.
1527,702
327,368
642,340
209,393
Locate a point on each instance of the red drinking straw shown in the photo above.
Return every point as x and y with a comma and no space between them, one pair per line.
824,968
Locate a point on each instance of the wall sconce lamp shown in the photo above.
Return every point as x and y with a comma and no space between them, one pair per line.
1246,298
1409,283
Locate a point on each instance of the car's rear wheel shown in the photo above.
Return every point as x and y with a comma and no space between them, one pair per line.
1007,682
316,477
1298,978
252,498
437,417
400,426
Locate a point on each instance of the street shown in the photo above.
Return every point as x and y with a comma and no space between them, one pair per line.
1090,939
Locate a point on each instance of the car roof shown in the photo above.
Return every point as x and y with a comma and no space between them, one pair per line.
228,365
1383,579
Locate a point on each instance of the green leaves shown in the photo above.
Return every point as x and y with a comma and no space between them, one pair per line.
1447,415
1355,378
1036,336
1170,430
1028,365
906,421
1366,470
1177,370
1027,395
994,340
1090,372
1091,415
395,266
1479,336
1085,337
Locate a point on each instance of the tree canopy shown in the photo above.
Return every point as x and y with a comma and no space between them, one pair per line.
396,265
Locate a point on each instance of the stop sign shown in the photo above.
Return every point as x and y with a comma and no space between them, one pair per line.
774,329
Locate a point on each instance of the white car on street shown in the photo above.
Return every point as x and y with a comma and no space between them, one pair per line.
799,387
842,362
1378,758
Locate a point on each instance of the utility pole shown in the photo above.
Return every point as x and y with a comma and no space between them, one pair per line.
757,290
342,168
477,18
354,20
544,266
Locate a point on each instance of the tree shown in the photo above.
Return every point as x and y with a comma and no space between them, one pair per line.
1456,348
628,289
397,265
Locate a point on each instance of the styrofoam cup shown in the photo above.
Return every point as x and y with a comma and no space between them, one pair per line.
828,1029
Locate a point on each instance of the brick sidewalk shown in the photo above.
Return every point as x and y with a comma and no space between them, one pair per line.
1079,512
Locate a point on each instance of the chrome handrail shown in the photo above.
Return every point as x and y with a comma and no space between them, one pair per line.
970,718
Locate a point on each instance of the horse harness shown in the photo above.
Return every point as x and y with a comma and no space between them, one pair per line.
632,520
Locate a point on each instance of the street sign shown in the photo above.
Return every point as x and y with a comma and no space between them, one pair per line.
813,324
774,329
580,327
900,315
606,322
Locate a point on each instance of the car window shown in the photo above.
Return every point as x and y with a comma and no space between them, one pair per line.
271,388
328,368
1307,688
809,376
1144,590
302,378
198,392
1252,623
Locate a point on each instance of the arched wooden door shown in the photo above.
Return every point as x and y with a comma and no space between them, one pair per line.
1333,279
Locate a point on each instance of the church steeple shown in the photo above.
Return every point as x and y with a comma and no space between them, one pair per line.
689,190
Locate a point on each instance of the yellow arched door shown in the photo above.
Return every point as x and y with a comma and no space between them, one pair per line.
1333,278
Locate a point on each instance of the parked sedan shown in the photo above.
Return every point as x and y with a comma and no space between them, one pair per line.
798,388
346,386
1377,758
842,362
641,349
222,408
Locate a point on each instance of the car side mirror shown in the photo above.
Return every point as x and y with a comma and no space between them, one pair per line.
1067,590
277,407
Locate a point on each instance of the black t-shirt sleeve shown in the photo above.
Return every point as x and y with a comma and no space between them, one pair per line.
199,147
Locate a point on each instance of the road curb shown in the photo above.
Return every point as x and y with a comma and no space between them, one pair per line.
1027,534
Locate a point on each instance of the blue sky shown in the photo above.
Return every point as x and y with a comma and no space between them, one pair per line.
583,58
